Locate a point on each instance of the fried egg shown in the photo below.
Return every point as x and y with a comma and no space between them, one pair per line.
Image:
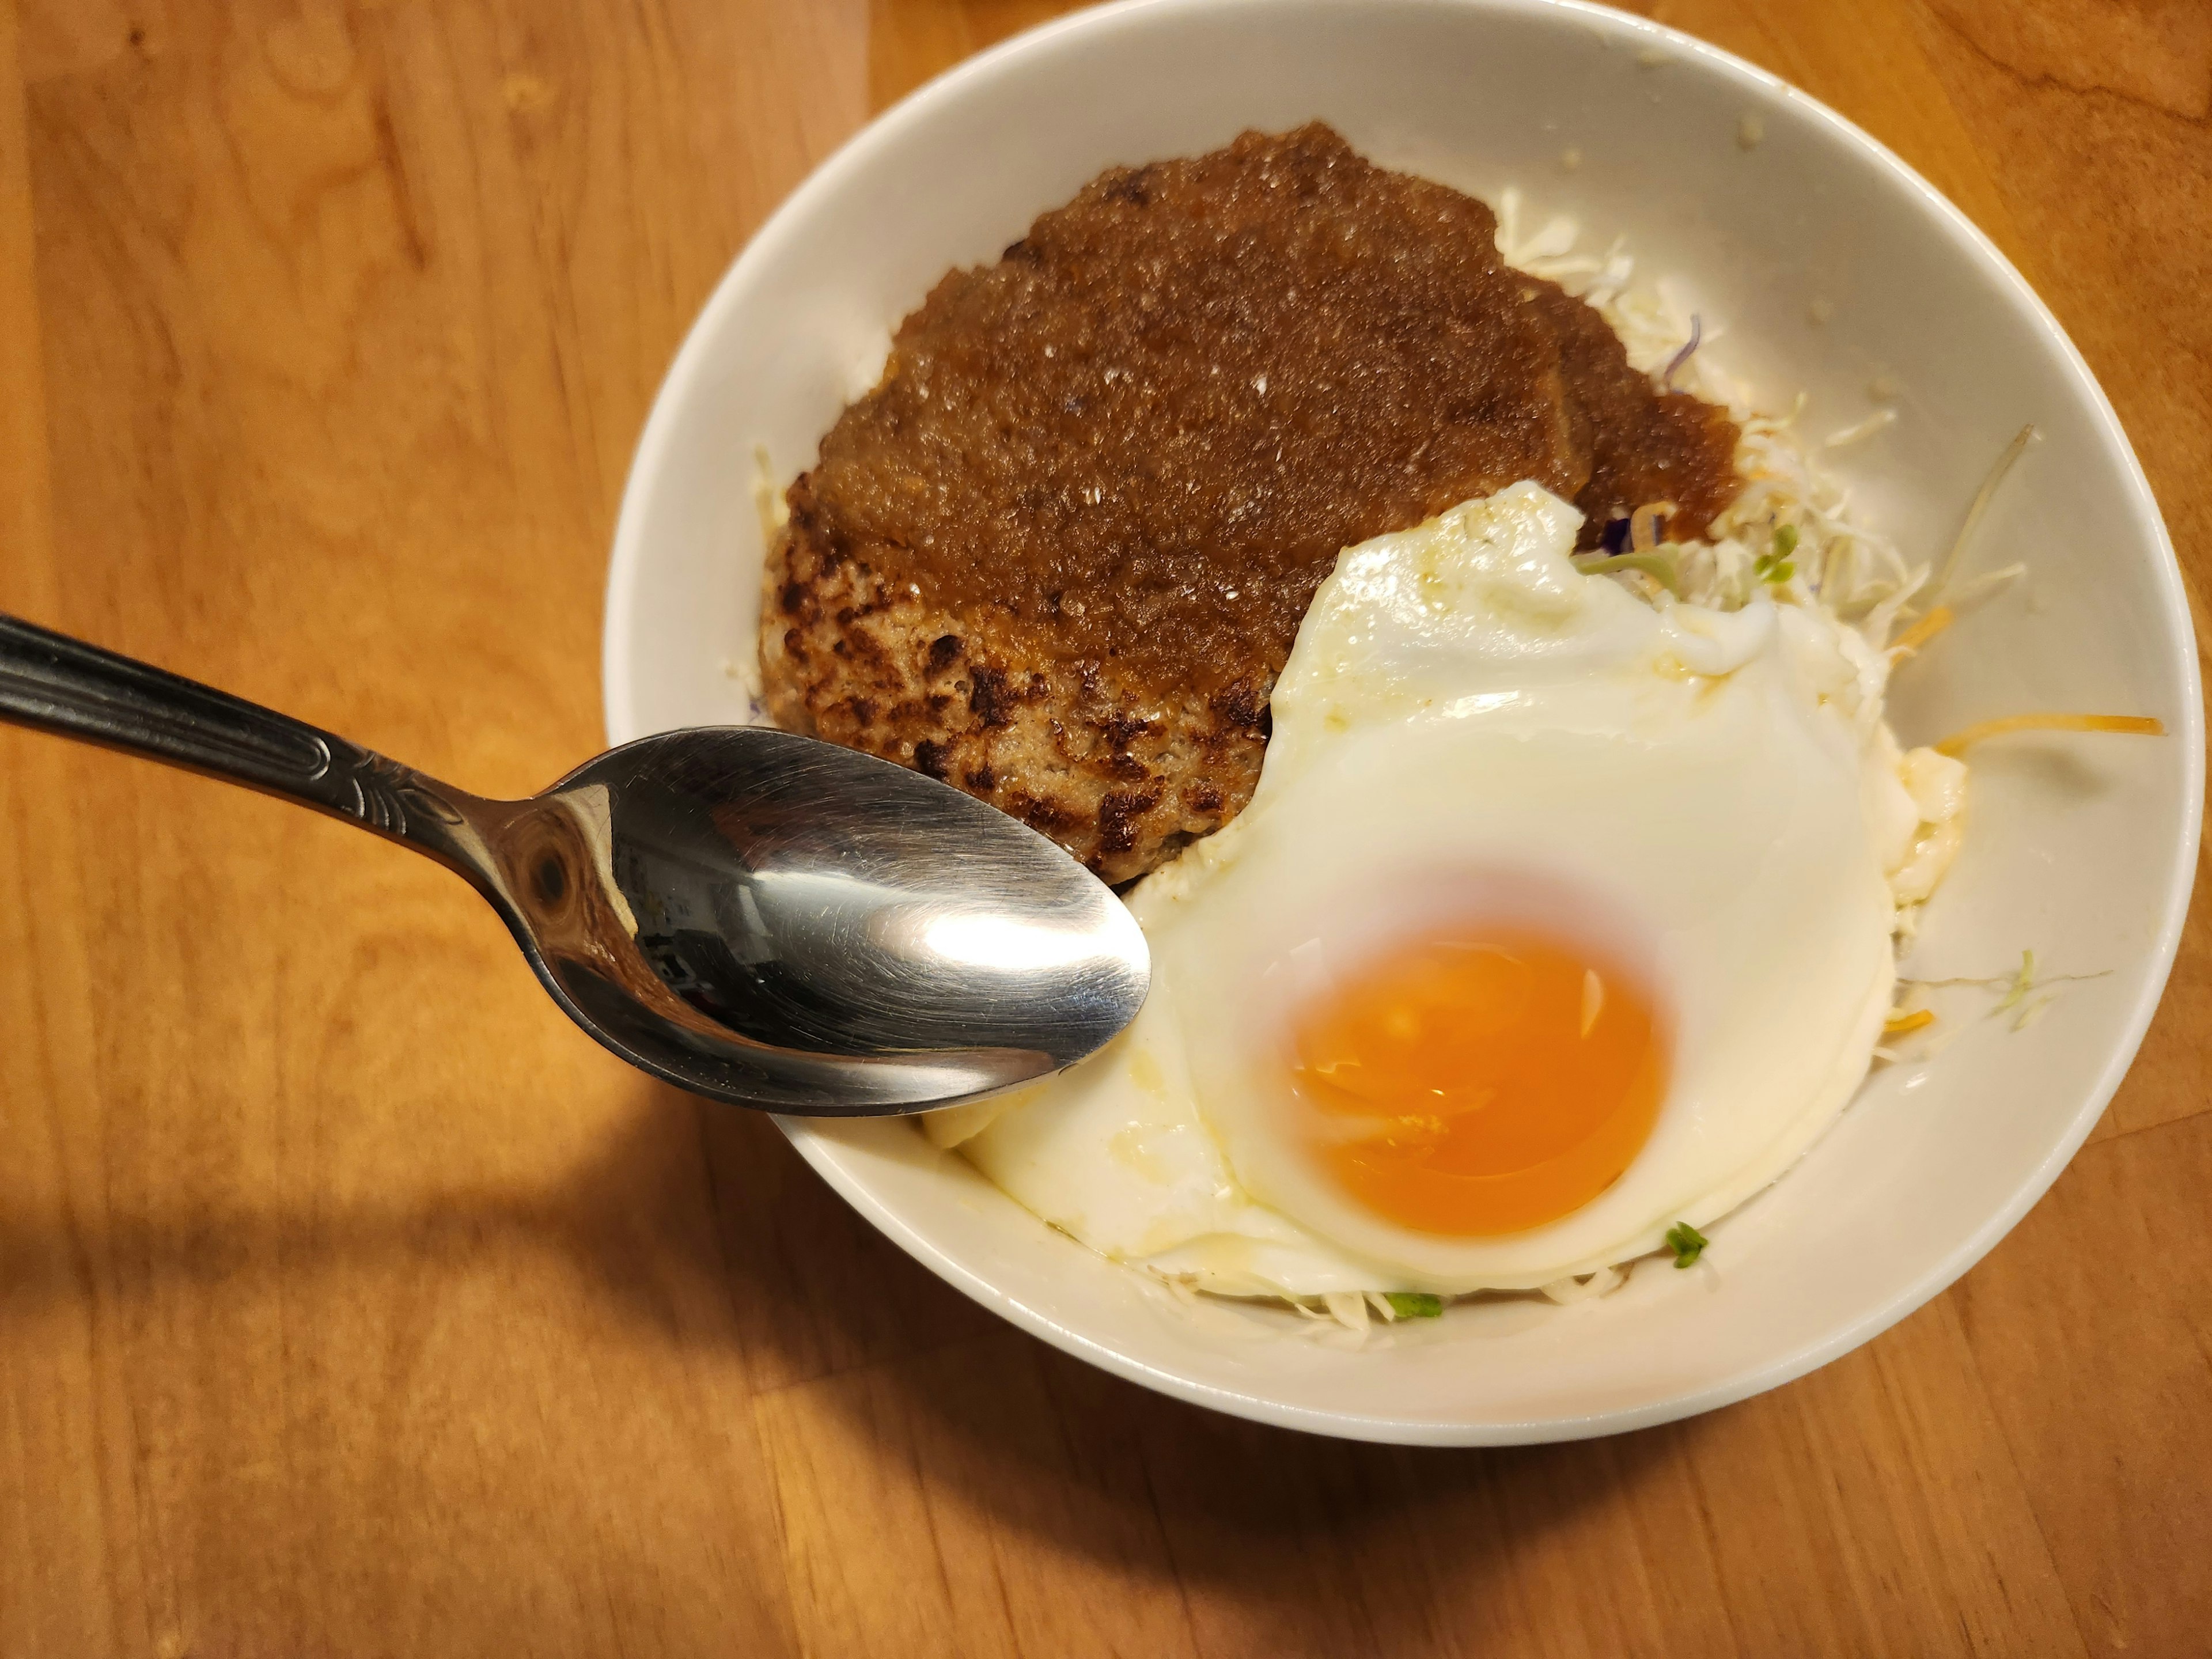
1557,919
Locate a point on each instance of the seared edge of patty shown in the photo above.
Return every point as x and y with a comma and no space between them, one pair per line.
1122,783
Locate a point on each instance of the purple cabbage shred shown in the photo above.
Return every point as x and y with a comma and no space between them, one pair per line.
1675,363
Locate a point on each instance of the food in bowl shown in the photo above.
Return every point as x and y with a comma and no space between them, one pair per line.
1560,918
1058,555
1560,921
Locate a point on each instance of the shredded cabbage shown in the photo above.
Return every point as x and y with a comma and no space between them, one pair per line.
1791,530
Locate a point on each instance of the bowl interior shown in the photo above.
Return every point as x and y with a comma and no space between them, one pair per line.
1820,266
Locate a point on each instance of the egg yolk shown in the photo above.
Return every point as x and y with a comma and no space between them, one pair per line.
1482,1083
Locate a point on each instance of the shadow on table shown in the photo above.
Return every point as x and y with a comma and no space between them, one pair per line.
696,1224
1289,1527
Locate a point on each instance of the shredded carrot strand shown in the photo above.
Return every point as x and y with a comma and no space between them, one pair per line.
2139,725
1918,1020
1923,631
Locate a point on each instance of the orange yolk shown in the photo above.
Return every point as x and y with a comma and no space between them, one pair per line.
1481,1083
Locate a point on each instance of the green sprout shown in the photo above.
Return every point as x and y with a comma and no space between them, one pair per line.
1686,1242
1777,566
1414,1305
1660,563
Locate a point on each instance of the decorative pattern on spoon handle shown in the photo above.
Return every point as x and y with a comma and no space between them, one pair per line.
55,683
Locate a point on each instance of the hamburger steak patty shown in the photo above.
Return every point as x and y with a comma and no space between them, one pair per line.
1058,555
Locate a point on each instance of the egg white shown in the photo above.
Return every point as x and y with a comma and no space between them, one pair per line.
1468,727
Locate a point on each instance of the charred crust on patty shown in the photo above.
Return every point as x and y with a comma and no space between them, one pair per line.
989,696
1239,705
1119,812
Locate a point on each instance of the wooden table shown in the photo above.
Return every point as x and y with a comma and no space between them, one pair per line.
352,1303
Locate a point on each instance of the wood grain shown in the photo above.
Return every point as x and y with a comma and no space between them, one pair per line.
351,1303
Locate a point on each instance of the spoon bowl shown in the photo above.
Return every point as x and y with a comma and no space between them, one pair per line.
765,918
779,922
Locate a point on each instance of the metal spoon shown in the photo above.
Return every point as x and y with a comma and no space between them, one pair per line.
766,919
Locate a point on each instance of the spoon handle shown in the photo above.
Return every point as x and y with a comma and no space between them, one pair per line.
55,683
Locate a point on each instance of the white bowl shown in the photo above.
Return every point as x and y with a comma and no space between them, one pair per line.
1827,264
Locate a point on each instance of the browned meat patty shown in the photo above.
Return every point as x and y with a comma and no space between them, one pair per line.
1058,555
